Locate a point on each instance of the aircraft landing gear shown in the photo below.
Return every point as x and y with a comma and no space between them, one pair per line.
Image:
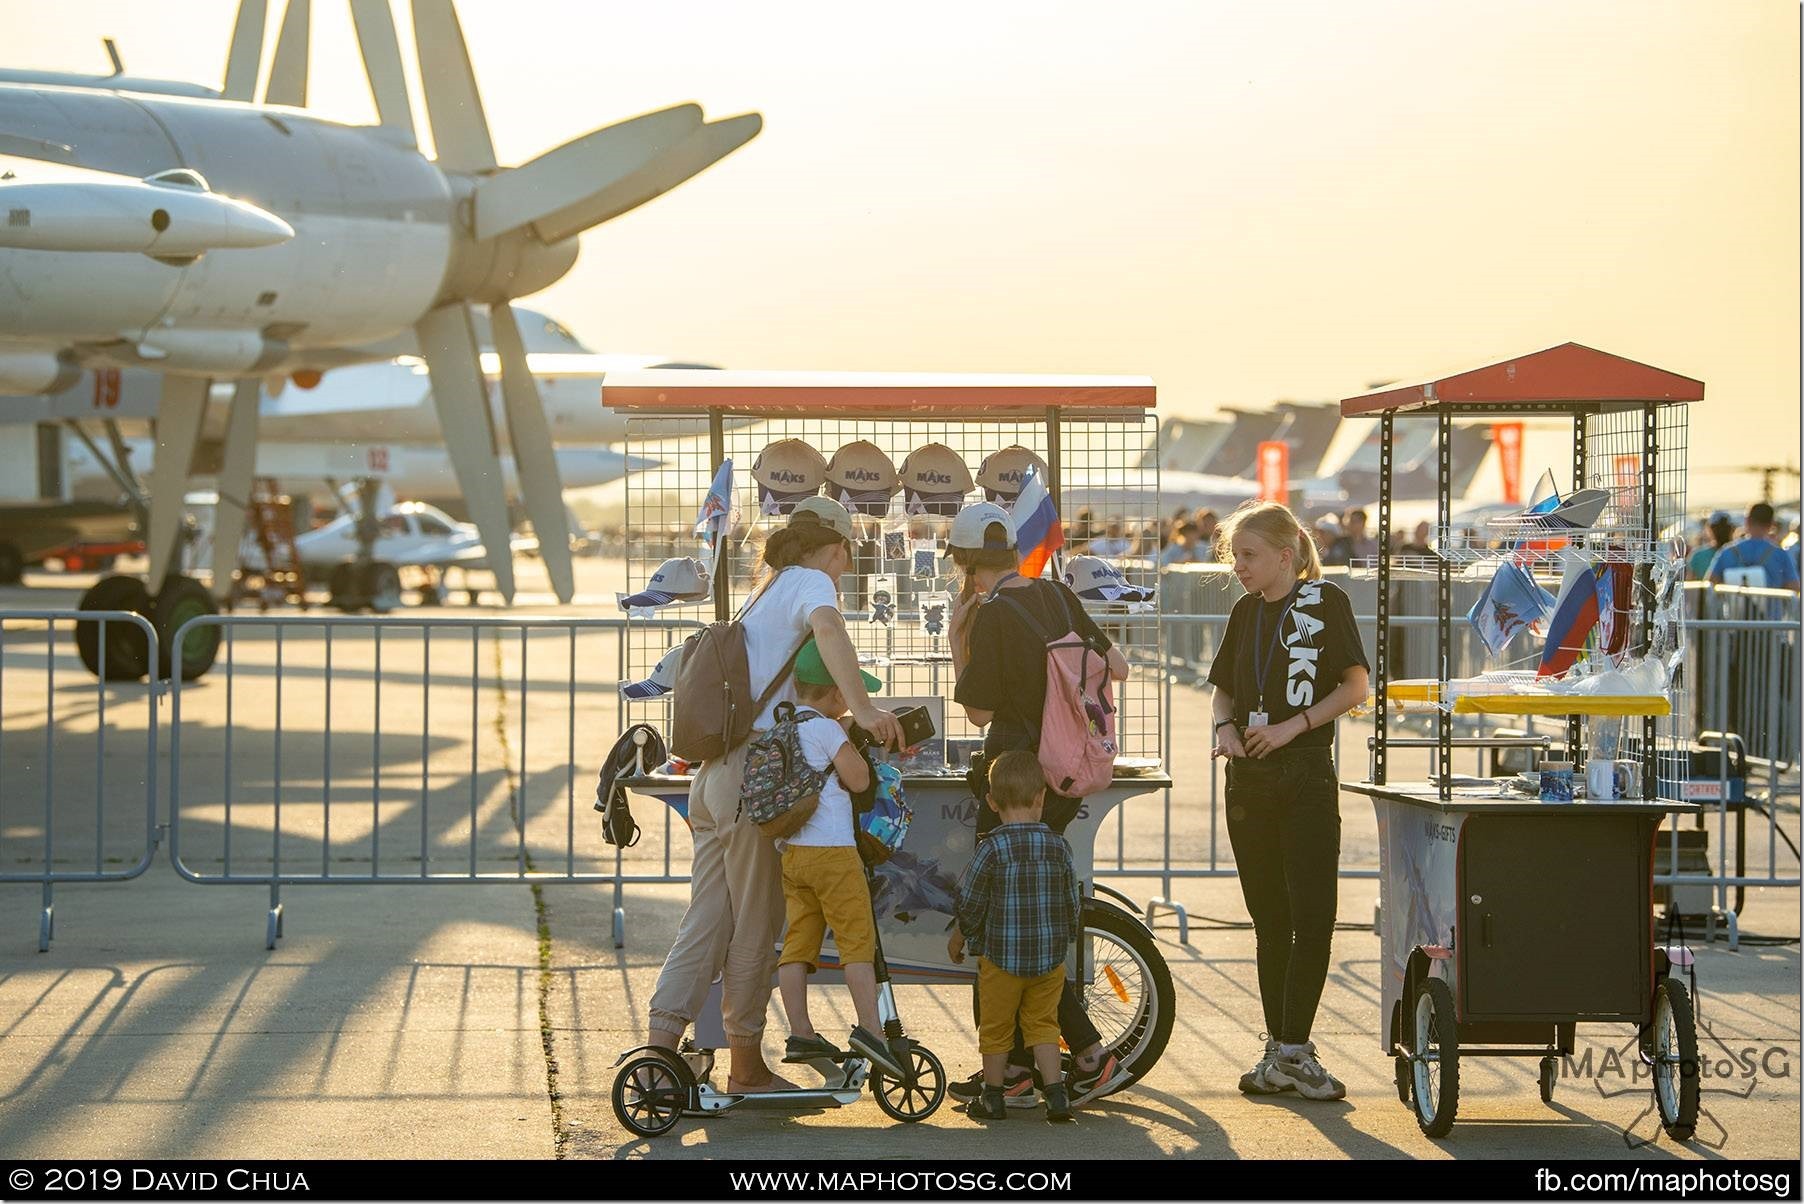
375,586
126,652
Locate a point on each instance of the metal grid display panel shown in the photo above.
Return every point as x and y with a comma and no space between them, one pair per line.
1101,479
1640,456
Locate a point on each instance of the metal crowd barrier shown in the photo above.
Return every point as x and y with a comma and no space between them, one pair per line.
357,795
414,751
29,756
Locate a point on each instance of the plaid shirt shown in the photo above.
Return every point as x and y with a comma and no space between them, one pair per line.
1018,901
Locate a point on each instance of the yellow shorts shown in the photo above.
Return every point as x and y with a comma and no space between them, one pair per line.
824,887
1001,997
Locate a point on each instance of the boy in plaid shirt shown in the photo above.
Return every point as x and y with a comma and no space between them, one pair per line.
1018,910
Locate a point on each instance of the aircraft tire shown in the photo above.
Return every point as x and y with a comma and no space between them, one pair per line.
182,599
127,651
12,564
382,586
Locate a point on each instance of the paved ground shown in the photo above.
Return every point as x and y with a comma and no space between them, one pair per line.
438,1021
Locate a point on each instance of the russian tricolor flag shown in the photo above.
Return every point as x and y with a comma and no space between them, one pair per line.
1038,532
1574,617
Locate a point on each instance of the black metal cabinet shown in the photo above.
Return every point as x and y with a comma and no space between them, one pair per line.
1555,920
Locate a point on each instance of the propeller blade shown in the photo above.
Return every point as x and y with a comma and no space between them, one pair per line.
288,74
535,462
579,169
382,65
448,344
246,54
460,132
700,150
235,474
180,409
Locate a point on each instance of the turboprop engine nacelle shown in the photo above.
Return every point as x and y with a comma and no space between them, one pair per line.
36,372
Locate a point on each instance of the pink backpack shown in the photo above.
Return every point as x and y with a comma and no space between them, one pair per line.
1077,728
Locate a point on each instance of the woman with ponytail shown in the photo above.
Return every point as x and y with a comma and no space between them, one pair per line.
1000,662
736,909
1289,665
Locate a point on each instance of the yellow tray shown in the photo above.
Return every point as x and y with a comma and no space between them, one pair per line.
1429,691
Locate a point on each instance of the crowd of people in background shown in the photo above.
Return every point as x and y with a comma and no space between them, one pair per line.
1761,544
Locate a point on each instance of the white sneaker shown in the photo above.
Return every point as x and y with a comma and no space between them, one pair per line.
1258,1080
1304,1071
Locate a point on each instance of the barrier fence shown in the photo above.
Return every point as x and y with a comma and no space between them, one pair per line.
54,748
404,751
429,751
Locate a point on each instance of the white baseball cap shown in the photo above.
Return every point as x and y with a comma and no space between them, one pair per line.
935,480
679,579
861,478
662,681
1097,580
786,472
1002,472
970,528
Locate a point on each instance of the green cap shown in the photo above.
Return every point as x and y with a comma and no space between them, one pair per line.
811,669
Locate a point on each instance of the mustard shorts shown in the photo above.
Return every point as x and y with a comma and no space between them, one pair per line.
825,888
1002,996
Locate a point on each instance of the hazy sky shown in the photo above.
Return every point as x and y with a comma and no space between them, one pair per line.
1245,201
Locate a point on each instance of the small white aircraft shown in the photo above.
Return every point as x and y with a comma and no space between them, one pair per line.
407,535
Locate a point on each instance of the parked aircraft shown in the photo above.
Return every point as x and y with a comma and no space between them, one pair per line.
385,242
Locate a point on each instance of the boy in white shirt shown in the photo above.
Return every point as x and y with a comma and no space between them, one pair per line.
824,882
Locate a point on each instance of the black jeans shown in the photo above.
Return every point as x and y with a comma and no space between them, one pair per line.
1284,824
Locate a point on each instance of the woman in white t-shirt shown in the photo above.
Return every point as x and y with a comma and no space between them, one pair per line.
735,911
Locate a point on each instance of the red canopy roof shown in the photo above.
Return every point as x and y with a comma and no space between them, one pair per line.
871,394
1570,374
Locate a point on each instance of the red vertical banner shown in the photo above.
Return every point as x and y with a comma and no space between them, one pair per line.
1508,438
1274,471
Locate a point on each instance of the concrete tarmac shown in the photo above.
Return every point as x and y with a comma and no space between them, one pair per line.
408,1020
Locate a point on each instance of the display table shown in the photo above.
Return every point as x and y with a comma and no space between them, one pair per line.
914,896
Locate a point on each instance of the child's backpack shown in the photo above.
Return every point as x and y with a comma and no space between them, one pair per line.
1077,728
881,824
781,790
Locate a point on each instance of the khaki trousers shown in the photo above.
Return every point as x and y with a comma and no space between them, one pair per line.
735,912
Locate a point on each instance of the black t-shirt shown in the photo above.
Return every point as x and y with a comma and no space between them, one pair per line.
1308,641
1007,671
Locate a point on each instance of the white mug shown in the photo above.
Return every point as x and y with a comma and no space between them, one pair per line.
1600,779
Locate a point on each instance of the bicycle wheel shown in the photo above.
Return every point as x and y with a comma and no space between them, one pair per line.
1130,997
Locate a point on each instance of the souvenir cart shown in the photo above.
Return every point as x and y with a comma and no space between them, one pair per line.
904,452
1506,920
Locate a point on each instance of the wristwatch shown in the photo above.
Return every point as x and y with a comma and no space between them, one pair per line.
1222,724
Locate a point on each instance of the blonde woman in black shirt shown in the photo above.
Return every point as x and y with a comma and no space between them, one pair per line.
1289,665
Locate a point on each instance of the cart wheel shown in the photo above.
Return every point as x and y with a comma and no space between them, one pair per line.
1675,1057
1550,1070
649,1096
917,1102
1434,1060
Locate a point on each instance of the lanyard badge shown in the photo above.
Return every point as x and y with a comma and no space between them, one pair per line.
1262,664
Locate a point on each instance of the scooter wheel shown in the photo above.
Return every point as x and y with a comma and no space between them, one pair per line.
911,1102
649,1096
